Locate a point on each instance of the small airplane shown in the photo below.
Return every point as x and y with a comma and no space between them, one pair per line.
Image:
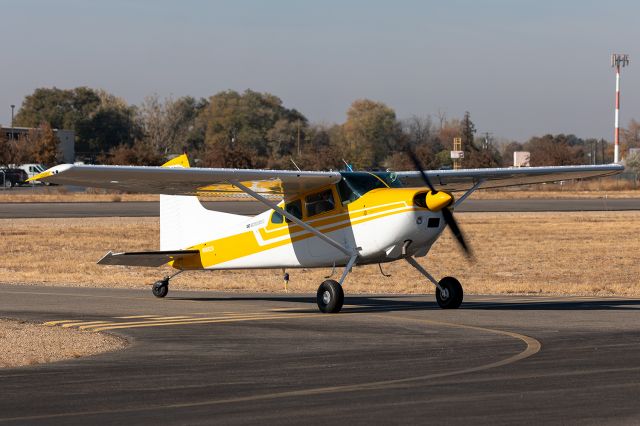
314,219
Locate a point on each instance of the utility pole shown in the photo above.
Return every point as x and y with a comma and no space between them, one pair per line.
298,138
12,108
618,60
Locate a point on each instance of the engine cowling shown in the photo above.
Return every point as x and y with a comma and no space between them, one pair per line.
434,201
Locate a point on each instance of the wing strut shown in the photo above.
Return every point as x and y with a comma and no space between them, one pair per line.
469,192
351,253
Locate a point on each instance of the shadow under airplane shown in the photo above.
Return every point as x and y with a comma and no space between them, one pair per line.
399,303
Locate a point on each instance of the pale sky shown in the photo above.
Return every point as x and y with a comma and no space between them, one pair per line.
522,68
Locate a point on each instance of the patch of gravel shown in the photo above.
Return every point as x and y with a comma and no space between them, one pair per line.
24,343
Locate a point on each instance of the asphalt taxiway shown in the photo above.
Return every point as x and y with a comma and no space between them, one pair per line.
150,208
221,358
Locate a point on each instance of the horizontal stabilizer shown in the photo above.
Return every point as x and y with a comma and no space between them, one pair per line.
145,258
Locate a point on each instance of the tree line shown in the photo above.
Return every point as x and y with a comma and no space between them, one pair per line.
255,130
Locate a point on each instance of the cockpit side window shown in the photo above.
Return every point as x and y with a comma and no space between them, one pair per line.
319,202
346,192
355,184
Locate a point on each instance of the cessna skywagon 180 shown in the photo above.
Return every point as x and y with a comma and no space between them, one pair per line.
323,219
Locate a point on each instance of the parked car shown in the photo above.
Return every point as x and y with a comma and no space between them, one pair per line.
12,177
32,169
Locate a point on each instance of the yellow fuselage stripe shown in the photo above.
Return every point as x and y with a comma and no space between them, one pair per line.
276,235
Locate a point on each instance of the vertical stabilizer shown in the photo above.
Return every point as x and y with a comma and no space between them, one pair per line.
184,222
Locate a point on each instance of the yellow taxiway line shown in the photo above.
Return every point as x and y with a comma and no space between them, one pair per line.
138,316
197,321
52,323
161,321
83,323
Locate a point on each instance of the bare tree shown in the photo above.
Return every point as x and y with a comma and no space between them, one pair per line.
167,124
630,136
442,118
633,163
419,130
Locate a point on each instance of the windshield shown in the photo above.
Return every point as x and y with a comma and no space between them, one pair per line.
355,184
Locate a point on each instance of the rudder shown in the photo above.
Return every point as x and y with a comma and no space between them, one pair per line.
185,222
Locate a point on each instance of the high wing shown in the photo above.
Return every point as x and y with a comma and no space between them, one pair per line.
203,181
187,181
146,258
465,179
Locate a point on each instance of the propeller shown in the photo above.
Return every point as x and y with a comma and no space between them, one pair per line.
447,214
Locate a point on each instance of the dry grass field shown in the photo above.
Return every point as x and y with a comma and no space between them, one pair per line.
594,253
38,196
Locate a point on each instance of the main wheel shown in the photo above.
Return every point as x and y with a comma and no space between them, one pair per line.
160,288
451,295
330,297
8,184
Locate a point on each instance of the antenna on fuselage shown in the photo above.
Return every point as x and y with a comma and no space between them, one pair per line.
349,167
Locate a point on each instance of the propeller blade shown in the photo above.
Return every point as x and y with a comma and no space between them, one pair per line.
446,213
419,167
453,225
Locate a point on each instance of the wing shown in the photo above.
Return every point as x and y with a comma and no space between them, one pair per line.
146,258
187,181
464,179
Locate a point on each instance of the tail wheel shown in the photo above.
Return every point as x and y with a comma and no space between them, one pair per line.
330,297
451,295
160,288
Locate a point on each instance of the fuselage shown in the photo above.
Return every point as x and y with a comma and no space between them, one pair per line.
383,224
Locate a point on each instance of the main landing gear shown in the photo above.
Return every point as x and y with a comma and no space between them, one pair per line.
161,288
330,296
449,292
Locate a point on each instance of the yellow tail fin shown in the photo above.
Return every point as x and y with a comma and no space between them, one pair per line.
179,161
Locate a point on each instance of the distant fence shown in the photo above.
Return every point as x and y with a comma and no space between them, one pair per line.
623,182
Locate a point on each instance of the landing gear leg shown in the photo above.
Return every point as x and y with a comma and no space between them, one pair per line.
449,292
330,296
161,288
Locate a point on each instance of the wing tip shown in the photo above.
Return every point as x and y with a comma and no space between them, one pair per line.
50,172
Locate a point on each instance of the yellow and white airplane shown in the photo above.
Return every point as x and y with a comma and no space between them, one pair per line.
324,219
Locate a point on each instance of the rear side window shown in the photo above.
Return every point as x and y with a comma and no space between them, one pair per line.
276,217
319,202
294,208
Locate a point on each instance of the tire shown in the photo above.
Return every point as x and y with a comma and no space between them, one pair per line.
8,184
452,299
330,297
160,289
